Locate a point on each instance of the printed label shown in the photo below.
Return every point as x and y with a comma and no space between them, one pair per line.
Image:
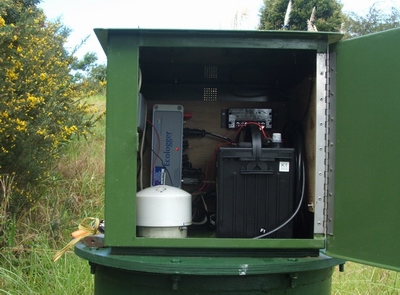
158,176
284,166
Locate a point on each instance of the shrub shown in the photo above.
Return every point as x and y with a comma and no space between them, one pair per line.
39,109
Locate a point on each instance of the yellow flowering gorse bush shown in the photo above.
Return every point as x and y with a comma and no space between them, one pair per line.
39,109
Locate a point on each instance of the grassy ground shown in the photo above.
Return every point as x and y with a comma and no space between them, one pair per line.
365,280
76,191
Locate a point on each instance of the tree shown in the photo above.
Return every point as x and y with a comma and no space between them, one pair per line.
375,21
39,106
328,15
12,13
88,75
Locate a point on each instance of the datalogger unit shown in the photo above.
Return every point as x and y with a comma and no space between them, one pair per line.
166,154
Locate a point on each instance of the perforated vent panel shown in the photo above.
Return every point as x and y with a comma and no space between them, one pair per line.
210,72
210,93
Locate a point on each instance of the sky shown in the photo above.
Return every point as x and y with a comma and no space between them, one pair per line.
82,16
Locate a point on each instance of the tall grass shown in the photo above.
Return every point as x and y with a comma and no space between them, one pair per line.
76,191
33,272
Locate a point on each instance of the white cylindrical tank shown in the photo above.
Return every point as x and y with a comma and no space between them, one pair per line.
163,211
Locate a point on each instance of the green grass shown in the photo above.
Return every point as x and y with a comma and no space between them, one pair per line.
33,272
366,280
76,191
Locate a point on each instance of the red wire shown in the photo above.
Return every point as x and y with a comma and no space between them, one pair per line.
265,135
211,159
206,184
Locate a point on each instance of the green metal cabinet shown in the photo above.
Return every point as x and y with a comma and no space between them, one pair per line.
123,51
351,102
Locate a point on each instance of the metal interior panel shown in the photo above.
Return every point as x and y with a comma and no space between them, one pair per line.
320,156
331,137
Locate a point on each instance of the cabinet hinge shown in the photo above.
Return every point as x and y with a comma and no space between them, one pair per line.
330,145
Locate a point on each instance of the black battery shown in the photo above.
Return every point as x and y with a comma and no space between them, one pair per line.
255,192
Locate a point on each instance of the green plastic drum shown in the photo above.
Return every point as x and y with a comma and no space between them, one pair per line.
144,274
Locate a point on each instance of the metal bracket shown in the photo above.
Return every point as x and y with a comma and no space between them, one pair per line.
293,279
95,241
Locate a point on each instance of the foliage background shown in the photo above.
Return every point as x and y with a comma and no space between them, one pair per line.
376,20
329,16
41,107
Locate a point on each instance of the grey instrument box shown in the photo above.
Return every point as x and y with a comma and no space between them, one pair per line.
167,136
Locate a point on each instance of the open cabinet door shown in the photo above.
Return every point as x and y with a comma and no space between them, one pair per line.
366,218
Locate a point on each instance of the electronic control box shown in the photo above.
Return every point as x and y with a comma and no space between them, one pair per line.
166,147
237,117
